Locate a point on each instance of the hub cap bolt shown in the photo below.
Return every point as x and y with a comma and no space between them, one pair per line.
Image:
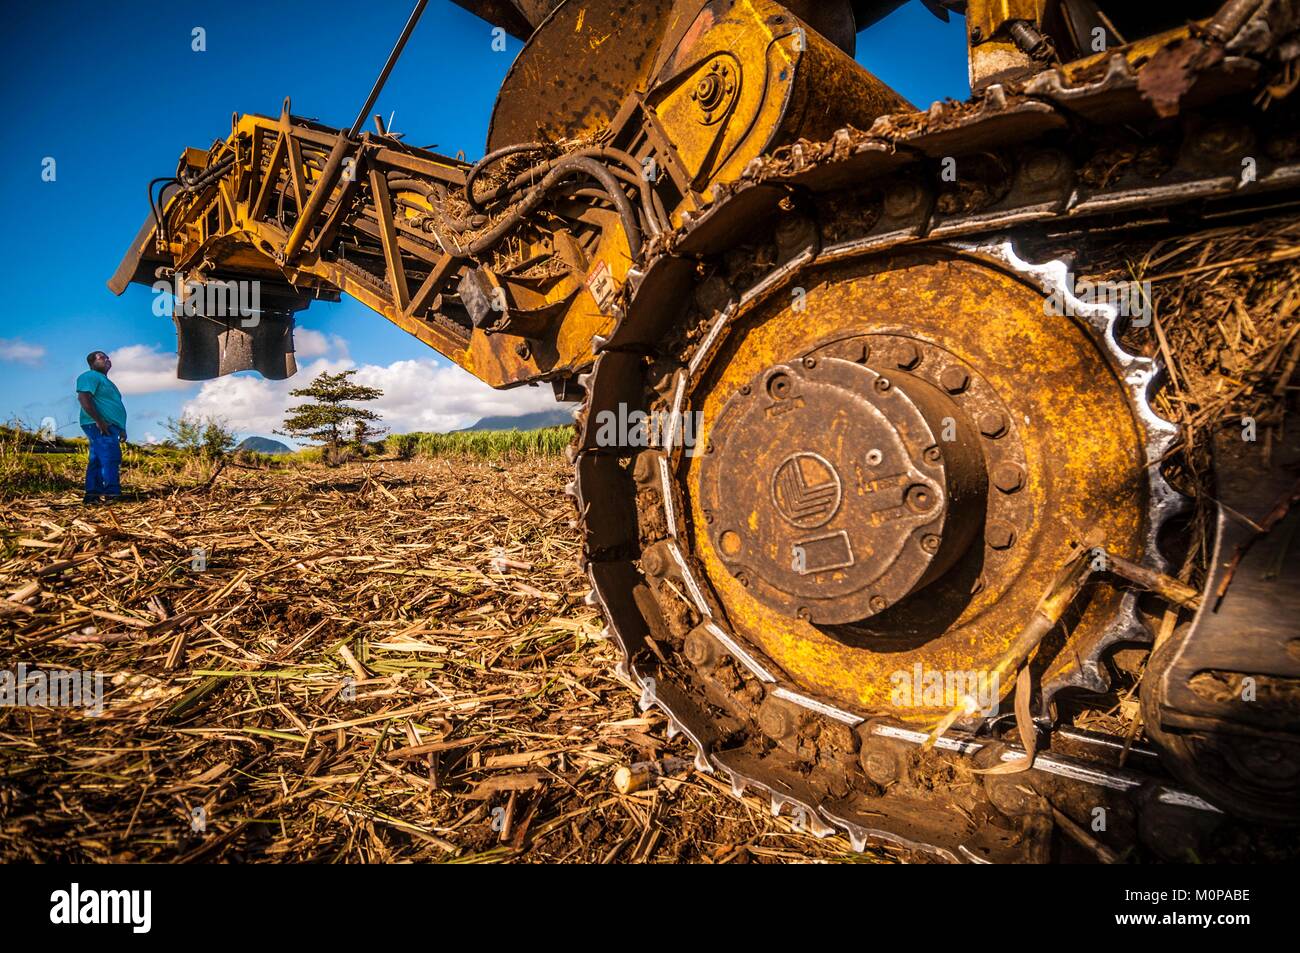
930,543
954,379
879,603
920,498
1008,477
778,386
933,455
882,384
993,424
999,535
909,355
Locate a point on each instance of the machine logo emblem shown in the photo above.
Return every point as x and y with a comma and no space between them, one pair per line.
806,490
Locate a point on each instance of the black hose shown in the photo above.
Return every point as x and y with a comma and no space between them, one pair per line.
153,205
490,159
187,184
207,176
631,173
529,203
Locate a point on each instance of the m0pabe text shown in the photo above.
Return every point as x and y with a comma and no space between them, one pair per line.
1180,896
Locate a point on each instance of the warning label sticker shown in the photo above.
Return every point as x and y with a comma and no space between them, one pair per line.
602,287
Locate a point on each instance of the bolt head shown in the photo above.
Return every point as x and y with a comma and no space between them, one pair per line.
902,199
920,498
776,720
1007,797
880,765
933,455
879,603
993,424
644,470
1008,477
654,561
701,650
954,379
883,385
1043,166
999,534
908,356
779,386
930,543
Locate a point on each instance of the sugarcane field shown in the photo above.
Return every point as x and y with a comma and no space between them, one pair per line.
837,433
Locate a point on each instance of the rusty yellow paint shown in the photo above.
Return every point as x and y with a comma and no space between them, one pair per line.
1082,447
778,82
1135,52
989,16
249,246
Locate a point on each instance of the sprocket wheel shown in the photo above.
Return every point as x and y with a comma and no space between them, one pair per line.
891,459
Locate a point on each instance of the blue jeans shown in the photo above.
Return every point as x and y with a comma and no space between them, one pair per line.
105,460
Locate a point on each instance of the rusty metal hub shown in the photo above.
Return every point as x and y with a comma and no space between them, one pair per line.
1043,447
838,490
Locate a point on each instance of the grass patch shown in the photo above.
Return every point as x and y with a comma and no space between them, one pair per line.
488,444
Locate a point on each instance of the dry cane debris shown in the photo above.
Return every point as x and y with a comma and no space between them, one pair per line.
386,662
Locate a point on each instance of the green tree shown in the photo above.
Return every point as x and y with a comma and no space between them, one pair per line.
330,420
363,434
208,437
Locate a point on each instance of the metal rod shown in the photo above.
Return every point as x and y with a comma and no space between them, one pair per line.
388,68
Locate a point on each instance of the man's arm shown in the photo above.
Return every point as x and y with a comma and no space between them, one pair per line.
88,405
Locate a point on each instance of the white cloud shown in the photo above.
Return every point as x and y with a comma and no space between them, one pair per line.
140,369
16,349
421,395
418,394
308,343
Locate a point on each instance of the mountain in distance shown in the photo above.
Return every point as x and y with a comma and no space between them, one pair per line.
263,445
533,421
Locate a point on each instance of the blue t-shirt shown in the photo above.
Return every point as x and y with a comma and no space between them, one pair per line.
108,399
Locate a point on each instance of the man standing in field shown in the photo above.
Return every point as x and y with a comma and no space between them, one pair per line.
103,418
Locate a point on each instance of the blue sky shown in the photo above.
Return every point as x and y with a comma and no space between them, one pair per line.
113,91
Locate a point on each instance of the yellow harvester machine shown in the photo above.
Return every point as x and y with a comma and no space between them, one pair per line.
876,502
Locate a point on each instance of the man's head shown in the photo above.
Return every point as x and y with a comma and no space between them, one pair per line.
98,361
